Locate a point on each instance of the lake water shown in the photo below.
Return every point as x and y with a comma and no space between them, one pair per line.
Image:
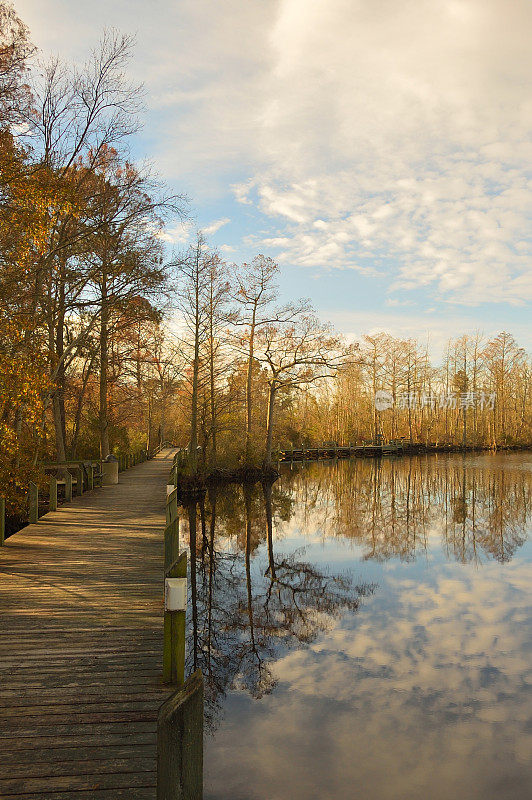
364,631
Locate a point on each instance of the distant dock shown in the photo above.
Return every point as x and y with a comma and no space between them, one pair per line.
331,450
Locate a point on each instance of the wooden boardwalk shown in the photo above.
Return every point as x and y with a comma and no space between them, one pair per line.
81,624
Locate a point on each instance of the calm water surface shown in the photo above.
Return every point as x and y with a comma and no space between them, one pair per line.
364,631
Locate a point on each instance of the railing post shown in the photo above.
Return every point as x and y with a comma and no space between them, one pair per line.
171,507
180,743
68,487
90,477
175,591
52,505
33,498
2,520
171,545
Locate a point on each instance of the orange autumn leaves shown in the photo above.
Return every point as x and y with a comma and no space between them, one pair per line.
23,386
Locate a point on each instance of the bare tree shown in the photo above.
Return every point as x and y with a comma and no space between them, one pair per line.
219,317
297,355
195,267
15,50
256,293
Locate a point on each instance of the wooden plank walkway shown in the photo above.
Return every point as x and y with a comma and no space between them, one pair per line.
81,624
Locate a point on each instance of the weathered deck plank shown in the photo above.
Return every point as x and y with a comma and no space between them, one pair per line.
81,645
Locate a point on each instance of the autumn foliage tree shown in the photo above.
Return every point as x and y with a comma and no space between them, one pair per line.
80,251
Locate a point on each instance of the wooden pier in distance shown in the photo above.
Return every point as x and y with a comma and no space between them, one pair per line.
81,610
395,448
331,450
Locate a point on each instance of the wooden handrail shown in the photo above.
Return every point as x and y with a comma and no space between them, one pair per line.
85,479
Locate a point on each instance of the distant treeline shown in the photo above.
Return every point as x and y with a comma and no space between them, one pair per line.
480,395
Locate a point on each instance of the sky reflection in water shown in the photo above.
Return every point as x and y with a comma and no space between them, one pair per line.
364,631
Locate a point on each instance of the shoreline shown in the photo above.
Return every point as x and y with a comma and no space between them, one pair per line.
190,487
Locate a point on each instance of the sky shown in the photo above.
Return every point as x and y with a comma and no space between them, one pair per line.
379,150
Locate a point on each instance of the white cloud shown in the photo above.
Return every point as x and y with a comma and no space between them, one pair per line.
398,133
215,226
428,326
180,234
389,137
404,700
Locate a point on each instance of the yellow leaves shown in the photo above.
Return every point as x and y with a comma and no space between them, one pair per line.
35,202
23,387
23,381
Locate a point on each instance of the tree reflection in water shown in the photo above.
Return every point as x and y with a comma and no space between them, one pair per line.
245,612
391,506
251,601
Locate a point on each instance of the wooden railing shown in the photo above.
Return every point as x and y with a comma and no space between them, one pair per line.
179,462
180,718
128,460
180,743
77,477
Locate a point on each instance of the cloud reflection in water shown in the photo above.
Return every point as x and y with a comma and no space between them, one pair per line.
418,689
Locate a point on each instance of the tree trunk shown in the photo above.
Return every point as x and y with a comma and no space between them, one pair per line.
270,424
56,344
104,365
148,425
267,491
194,410
79,408
249,378
58,426
59,350
212,400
